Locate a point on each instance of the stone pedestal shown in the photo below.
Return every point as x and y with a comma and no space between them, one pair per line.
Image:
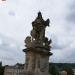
37,61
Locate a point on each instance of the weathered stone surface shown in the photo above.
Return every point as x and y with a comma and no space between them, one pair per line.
37,38
37,48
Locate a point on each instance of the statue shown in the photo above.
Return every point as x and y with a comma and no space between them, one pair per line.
28,41
38,33
39,26
37,48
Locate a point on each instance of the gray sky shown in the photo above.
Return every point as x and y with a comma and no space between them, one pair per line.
15,24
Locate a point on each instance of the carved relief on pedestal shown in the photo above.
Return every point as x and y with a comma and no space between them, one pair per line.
44,64
27,62
33,62
38,61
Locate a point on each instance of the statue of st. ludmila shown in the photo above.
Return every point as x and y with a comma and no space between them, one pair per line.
37,48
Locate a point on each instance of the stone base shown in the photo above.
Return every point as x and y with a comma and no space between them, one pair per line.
37,62
37,73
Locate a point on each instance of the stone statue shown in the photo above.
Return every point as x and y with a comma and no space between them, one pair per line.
28,41
37,48
38,33
39,26
47,43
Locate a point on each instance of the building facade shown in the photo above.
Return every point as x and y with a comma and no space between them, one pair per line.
17,69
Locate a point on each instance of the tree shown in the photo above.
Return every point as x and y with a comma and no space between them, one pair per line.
1,69
53,69
68,69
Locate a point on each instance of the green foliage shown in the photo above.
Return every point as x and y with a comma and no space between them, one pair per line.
68,68
53,69
1,69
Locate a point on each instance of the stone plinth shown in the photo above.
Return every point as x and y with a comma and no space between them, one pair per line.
37,61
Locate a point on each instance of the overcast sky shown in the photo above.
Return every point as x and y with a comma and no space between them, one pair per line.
16,17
